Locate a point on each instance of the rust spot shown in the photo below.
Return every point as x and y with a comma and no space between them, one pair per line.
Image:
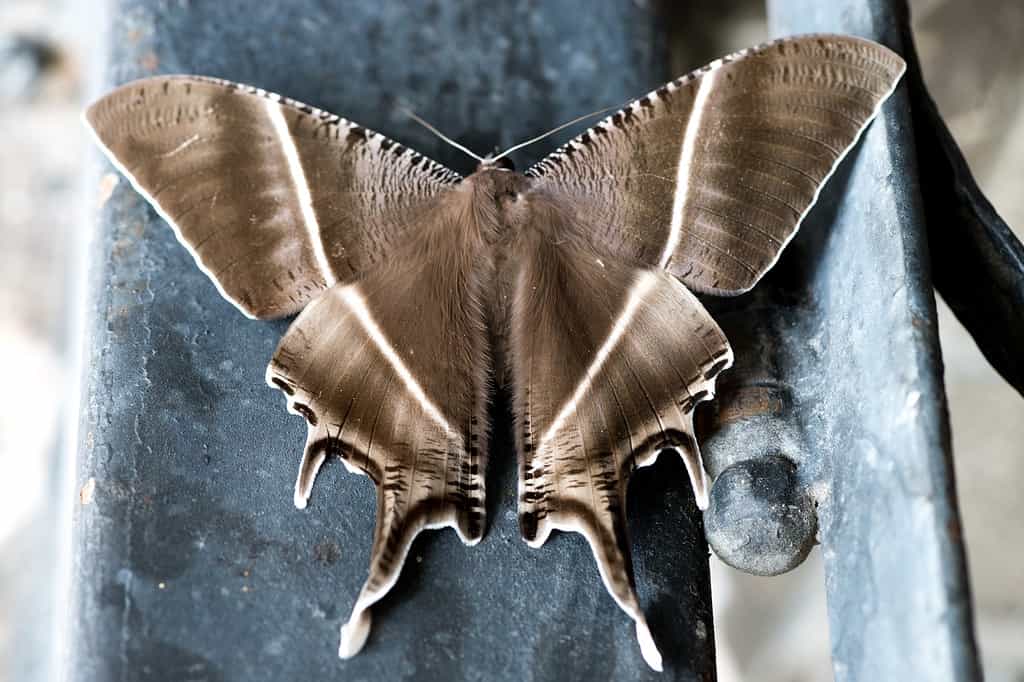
106,189
749,401
149,61
954,531
87,492
326,552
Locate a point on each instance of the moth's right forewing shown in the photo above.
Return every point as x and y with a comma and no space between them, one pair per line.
276,200
711,175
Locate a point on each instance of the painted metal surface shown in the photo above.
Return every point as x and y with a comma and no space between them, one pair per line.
191,560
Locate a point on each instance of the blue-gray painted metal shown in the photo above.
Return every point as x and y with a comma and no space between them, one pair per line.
190,560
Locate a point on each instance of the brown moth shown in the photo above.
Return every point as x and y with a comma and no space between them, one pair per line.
420,292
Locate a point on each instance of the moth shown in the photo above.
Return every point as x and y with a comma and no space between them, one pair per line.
571,286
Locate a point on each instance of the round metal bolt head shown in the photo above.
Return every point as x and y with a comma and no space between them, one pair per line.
760,519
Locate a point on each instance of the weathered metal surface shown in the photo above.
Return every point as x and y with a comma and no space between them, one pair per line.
190,560
843,378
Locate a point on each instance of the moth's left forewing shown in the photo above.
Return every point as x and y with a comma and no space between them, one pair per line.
275,200
711,175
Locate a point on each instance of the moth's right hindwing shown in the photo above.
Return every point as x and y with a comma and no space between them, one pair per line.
275,200
608,362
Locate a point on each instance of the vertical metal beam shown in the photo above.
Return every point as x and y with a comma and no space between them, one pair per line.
977,261
872,401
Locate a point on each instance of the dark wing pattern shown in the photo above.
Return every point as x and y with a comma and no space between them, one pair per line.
391,374
276,200
711,175
608,363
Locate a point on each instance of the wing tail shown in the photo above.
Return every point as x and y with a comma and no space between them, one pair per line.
403,511
608,537
313,457
597,513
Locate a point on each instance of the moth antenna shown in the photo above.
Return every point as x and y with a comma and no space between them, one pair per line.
552,132
411,114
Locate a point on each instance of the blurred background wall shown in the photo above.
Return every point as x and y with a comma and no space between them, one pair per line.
769,629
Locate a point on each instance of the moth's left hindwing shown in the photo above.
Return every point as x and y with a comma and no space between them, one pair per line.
392,375
275,200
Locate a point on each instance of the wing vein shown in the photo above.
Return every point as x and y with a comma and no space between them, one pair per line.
301,186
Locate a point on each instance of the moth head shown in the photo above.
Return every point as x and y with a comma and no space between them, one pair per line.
501,163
